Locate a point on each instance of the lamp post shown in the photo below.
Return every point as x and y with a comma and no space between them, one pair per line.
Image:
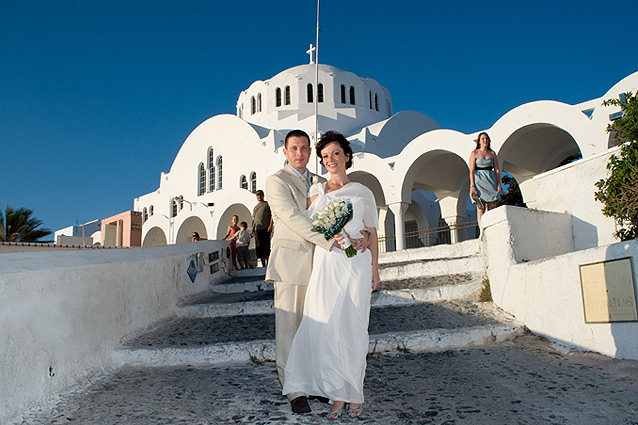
181,199
170,229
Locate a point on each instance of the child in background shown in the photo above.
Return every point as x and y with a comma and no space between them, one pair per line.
230,236
243,240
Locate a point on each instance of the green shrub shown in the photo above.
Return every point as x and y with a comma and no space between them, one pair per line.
486,291
619,192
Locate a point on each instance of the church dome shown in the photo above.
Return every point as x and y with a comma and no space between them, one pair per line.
346,102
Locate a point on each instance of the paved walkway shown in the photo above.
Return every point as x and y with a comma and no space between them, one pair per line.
523,381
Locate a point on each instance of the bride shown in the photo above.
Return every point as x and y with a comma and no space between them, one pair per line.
328,353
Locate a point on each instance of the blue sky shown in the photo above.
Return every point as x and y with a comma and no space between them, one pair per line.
96,97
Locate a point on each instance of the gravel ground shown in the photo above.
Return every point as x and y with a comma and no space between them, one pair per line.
524,381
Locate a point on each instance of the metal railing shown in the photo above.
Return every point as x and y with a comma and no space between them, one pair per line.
431,236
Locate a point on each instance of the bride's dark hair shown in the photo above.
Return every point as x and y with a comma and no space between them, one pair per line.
333,136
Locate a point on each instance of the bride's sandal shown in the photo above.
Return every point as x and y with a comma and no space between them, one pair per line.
335,414
355,412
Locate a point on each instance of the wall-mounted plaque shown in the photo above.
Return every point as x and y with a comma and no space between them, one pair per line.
213,256
608,291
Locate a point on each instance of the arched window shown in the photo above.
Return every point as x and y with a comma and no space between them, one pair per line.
287,95
253,107
253,182
240,111
343,94
211,170
309,86
144,215
278,97
150,211
258,102
174,208
320,93
352,95
243,183
219,172
376,102
202,180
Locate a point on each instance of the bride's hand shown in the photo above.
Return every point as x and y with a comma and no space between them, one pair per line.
375,278
360,244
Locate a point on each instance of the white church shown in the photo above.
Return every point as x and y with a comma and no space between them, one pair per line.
417,171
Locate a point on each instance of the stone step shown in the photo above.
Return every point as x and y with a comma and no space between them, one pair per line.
437,260
237,284
416,327
431,267
416,294
469,248
405,274
407,291
432,340
257,271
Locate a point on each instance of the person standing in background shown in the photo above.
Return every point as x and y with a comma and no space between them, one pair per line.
243,240
261,228
232,229
485,176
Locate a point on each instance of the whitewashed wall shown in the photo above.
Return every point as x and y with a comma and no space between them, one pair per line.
545,292
553,193
63,313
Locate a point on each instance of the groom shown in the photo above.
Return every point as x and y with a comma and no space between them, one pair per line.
292,248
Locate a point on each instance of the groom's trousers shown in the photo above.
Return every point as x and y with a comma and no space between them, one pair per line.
289,301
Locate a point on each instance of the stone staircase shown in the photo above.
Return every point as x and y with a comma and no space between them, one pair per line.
437,356
427,301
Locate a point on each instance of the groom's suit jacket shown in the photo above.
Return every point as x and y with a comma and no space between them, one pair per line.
292,243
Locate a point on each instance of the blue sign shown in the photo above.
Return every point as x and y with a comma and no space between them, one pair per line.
192,271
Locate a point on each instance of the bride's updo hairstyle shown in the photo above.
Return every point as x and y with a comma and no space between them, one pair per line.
332,136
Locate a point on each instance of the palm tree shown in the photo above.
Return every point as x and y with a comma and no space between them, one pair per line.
17,225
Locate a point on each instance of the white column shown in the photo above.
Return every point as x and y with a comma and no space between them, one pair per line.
454,232
399,209
383,216
528,191
452,212
118,234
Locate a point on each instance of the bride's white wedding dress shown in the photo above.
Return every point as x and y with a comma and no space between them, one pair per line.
328,353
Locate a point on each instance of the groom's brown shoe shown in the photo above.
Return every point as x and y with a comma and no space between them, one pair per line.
300,405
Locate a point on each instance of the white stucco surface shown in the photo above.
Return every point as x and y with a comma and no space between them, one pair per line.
571,188
531,234
546,293
62,313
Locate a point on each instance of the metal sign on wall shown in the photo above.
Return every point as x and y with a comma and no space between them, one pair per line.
608,291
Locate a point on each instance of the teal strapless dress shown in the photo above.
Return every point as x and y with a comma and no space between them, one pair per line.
485,180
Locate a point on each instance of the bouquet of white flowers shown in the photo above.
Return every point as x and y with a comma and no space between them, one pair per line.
332,219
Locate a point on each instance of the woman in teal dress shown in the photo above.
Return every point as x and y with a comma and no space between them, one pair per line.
485,176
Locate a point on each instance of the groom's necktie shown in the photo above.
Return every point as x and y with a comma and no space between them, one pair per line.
304,180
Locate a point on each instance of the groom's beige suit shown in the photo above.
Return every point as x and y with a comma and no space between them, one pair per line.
290,263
